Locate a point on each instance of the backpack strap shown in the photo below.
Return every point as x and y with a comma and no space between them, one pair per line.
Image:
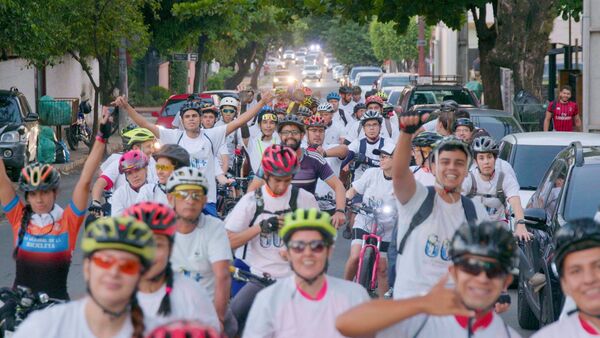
343,116
362,146
294,198
388,126
473,190
469,208
180,137
421,215
212,149
260,208
499,189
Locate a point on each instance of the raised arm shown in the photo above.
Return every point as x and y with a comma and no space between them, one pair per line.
266,97
7,192
137,118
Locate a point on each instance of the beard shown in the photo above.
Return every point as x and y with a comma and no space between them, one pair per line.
292,143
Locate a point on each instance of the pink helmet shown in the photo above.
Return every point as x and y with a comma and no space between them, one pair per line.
133,159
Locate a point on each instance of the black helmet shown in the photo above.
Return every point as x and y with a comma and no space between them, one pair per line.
484,144
576,235
290,119
190,105
426,139
345,90
488,239
38,176
359,106
176,153
449,105
463,122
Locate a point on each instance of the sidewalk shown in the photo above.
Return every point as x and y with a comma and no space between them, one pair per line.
79,156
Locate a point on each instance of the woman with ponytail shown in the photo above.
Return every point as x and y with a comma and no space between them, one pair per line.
117,251
163,296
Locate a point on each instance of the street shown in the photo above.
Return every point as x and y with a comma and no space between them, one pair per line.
76,286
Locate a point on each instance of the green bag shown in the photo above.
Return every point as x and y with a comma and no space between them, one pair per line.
46,148
54,112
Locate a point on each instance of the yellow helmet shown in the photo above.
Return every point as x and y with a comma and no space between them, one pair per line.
308,219
138,135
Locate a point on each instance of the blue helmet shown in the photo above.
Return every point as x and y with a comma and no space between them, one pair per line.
333,96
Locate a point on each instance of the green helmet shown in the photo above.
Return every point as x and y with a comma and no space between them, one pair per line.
137,135
308,219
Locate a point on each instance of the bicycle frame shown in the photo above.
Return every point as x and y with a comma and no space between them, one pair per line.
376,248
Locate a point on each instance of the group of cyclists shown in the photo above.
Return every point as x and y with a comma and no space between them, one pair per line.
159,253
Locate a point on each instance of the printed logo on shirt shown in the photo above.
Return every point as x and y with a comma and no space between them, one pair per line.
195,276
269,240
198,163
46,243
433,247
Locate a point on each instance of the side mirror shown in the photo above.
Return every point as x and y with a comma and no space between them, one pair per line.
21,130
32,117
536,218
484,106
155,114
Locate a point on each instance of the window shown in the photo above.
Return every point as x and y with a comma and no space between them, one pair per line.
551,188
173,107
505,149
9,110
582,193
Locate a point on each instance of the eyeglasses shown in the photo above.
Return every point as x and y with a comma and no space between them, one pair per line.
228,111
126,266
474,267
371,125
195,195
316,246
165,167
290,132
385,156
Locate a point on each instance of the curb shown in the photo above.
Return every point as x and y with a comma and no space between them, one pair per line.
78,164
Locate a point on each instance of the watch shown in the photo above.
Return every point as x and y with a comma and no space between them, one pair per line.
340,210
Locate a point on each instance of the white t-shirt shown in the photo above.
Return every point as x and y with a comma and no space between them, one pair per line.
110,170
430,126
426,259
256,148
64,320
188,300
493,205
356,131
194,253
572,326
203,151
281,310
376,191
448,326
323,189
348,109
355,147
123,198
152,193
262,253
423,175
334,133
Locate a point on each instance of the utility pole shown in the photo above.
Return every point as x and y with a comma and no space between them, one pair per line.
421,45
123,83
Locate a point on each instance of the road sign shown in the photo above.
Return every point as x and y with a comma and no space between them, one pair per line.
193,57
421,43
180,57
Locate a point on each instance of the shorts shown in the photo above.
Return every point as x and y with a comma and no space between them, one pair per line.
357,235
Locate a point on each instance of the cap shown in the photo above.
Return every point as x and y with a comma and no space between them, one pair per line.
388,149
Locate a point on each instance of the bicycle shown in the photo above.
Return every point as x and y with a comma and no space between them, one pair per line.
228,198
79,131
248,277
370,253
18,303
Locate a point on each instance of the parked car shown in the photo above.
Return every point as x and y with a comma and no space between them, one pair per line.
311,72
569,190
289,55
173,105
275,63
18,131
360,69
338,72
366,80
393,97
333,63
393,80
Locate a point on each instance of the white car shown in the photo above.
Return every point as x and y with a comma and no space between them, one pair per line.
338,72
311,72
289,55
366,80
275,63
393,81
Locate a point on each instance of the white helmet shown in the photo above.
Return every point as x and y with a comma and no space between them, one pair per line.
229,101
187,176
326,106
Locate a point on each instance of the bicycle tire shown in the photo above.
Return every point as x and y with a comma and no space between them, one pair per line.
72,139
366,269
88,141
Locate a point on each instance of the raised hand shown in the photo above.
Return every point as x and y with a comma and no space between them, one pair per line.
441,301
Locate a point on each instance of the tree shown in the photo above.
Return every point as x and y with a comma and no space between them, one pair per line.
350,43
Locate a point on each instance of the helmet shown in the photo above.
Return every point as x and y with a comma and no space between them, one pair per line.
382,95
310,102
452,141
35,177
449,105
333,96
133,159
359,106
426,139
187,176
487,239
190,105
388,108
183,329
356,90
308,219
174,152
138,135
315,121
463,122
207,107
374,99
159,217
291,119
280,161
120,233
371,115
326,107
345,90
484,144
576,235
129,127
229,101
266,113
479,133
303,111
307,91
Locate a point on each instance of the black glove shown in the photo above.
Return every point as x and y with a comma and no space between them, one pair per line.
360,158
412,129
105,128
95,207
269,225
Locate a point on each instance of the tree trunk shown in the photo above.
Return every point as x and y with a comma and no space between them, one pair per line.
260,61
200,71
244,60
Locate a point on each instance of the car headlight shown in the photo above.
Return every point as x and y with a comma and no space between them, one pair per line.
275,79
303,72
10,137
291,79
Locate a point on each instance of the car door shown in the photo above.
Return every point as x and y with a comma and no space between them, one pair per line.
31,127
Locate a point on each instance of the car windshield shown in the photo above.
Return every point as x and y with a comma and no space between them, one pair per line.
9,110
355,71
395,81
311,68
583,193
282,73
393,97
529,174
367,80
498,126
173,107
434,96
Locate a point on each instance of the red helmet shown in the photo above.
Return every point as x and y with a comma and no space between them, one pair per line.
315,121
307,91
280,161
133,159
374,99
159,217
184,329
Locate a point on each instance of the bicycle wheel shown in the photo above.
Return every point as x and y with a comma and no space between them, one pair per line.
72,139
87,137
366,270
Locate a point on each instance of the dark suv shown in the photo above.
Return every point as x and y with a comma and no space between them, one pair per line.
434,93
18,131
569,190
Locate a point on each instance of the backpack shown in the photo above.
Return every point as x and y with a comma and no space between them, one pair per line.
499,190
343,116
260,208
62,153
362,149
425,211
46,147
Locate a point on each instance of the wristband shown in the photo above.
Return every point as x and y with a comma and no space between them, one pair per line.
101,139
340,210
324,153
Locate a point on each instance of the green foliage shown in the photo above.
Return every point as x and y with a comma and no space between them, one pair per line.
178,77
217,81
388,44
574,8
350,43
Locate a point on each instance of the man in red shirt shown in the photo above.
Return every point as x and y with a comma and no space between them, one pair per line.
564,112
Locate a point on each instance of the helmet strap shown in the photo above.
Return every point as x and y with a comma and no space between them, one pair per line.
587,314
114,314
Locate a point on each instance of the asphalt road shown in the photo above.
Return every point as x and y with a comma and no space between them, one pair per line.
76,286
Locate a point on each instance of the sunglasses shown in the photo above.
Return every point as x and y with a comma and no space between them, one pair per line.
316,246
290,132
228,111
195,195
165,167
474,267
126,266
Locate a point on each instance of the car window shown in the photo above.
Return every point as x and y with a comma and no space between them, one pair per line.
530,175
583,194
367,80
497,126
395,81
173,107
548,193
393,97
9,110
461,96
505,149
26,109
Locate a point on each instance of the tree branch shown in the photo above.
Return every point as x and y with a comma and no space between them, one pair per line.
86,68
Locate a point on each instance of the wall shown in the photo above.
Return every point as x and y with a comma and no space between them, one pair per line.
16,73
591,64
163,75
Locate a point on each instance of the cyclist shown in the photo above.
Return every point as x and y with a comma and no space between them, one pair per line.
340,119
357,95
229,109
253,223
170,157
255,145
428,216
493,188
209,114
377,191
44,234
334,133
134,165
202,144
577,245
346,103
390,120
423,145
306,303
201,251
162,295
463,129
483,257
117,252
